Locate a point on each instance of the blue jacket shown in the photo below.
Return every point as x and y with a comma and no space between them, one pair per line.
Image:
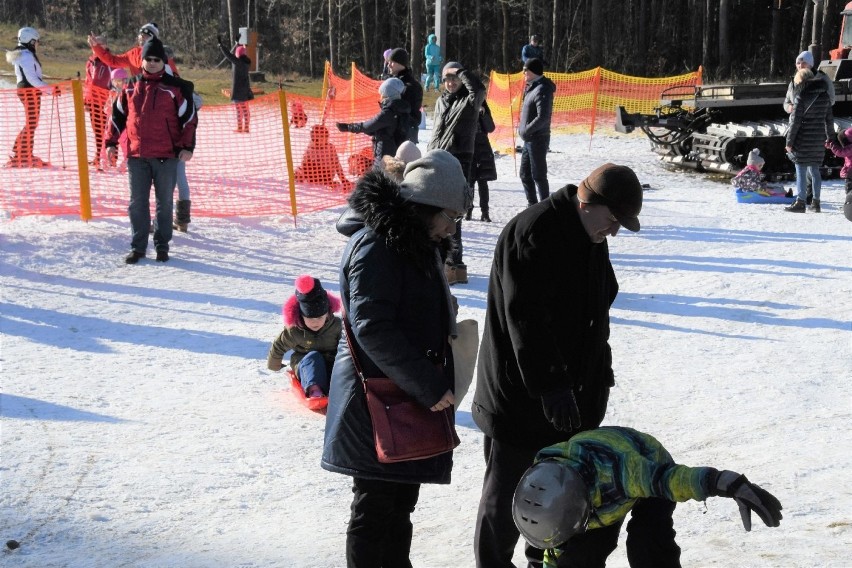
432,51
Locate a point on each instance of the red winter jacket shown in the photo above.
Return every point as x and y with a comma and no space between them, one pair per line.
97,75
159,115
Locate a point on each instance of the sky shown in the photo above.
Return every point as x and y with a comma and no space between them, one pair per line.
139,426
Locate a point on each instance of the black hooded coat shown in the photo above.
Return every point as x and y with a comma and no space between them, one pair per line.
397,303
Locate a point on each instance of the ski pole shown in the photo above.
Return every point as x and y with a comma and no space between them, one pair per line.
59,123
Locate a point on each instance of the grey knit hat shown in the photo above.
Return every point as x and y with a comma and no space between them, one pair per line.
452,66
392,88
436,179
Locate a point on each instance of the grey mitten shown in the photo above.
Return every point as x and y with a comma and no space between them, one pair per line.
560,408
749,497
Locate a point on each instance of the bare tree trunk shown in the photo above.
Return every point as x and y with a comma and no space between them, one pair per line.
417,12
775,57
531,4
596,36
806,17
332,34
642,39
830,23
477,12
554,32
365,44
230,22
504,8
724,42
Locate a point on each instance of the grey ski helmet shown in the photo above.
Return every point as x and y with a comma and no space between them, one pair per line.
27,36
551,504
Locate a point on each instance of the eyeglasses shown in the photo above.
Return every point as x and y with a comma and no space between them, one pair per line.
455,219
153,59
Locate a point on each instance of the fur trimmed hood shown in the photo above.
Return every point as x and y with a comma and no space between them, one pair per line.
377,203
292,316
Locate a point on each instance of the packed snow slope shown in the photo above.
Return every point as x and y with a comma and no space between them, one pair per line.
140,427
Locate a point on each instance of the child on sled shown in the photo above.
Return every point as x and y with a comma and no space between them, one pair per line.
751,178
311,331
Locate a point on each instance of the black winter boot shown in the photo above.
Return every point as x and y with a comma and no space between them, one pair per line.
469,214
798,206
182,218
814,206
485,216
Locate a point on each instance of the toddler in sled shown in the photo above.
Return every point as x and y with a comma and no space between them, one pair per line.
751,178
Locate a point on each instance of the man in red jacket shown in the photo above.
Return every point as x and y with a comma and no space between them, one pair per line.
157,111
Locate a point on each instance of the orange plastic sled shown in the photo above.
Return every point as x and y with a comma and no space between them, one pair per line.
317,404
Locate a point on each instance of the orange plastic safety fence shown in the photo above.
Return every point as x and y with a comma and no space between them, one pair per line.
586,99
276,155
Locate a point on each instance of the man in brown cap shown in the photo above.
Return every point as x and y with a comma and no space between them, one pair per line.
545,365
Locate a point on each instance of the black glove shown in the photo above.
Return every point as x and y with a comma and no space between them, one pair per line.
750,498
560,408
343,127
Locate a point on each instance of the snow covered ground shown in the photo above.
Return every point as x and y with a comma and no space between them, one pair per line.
140,427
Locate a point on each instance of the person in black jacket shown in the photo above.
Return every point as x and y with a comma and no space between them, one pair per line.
398,62
483,168
456,124
400,312
811,126
390,126
241,91
545,366
534,130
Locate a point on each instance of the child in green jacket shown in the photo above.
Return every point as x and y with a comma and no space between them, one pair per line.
312,332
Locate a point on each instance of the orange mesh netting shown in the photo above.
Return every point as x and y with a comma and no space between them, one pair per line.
280,154
584,99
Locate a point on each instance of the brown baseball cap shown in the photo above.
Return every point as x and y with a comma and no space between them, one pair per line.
618,188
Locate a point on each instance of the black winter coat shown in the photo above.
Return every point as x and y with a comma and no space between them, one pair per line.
546,325
456,117
388,129
811,122
537,109
484,168
397,302
240,82
413,95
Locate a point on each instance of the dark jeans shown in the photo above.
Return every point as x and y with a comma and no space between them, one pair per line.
142,173
379,533
314,371
534,169
483,195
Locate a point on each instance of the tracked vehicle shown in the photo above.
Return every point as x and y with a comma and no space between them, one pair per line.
712,128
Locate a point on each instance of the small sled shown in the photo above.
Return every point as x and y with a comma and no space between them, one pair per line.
317,404
754,197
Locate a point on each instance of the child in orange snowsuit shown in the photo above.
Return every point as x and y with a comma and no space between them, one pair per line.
320,162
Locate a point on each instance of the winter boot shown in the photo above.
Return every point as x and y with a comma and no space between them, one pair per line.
798,206
469,214
814,206
461,274
485,216
182,218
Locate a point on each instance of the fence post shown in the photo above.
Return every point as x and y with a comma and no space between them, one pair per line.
595,104
288,151
82,158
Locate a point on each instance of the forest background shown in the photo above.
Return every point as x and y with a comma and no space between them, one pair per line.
732,39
